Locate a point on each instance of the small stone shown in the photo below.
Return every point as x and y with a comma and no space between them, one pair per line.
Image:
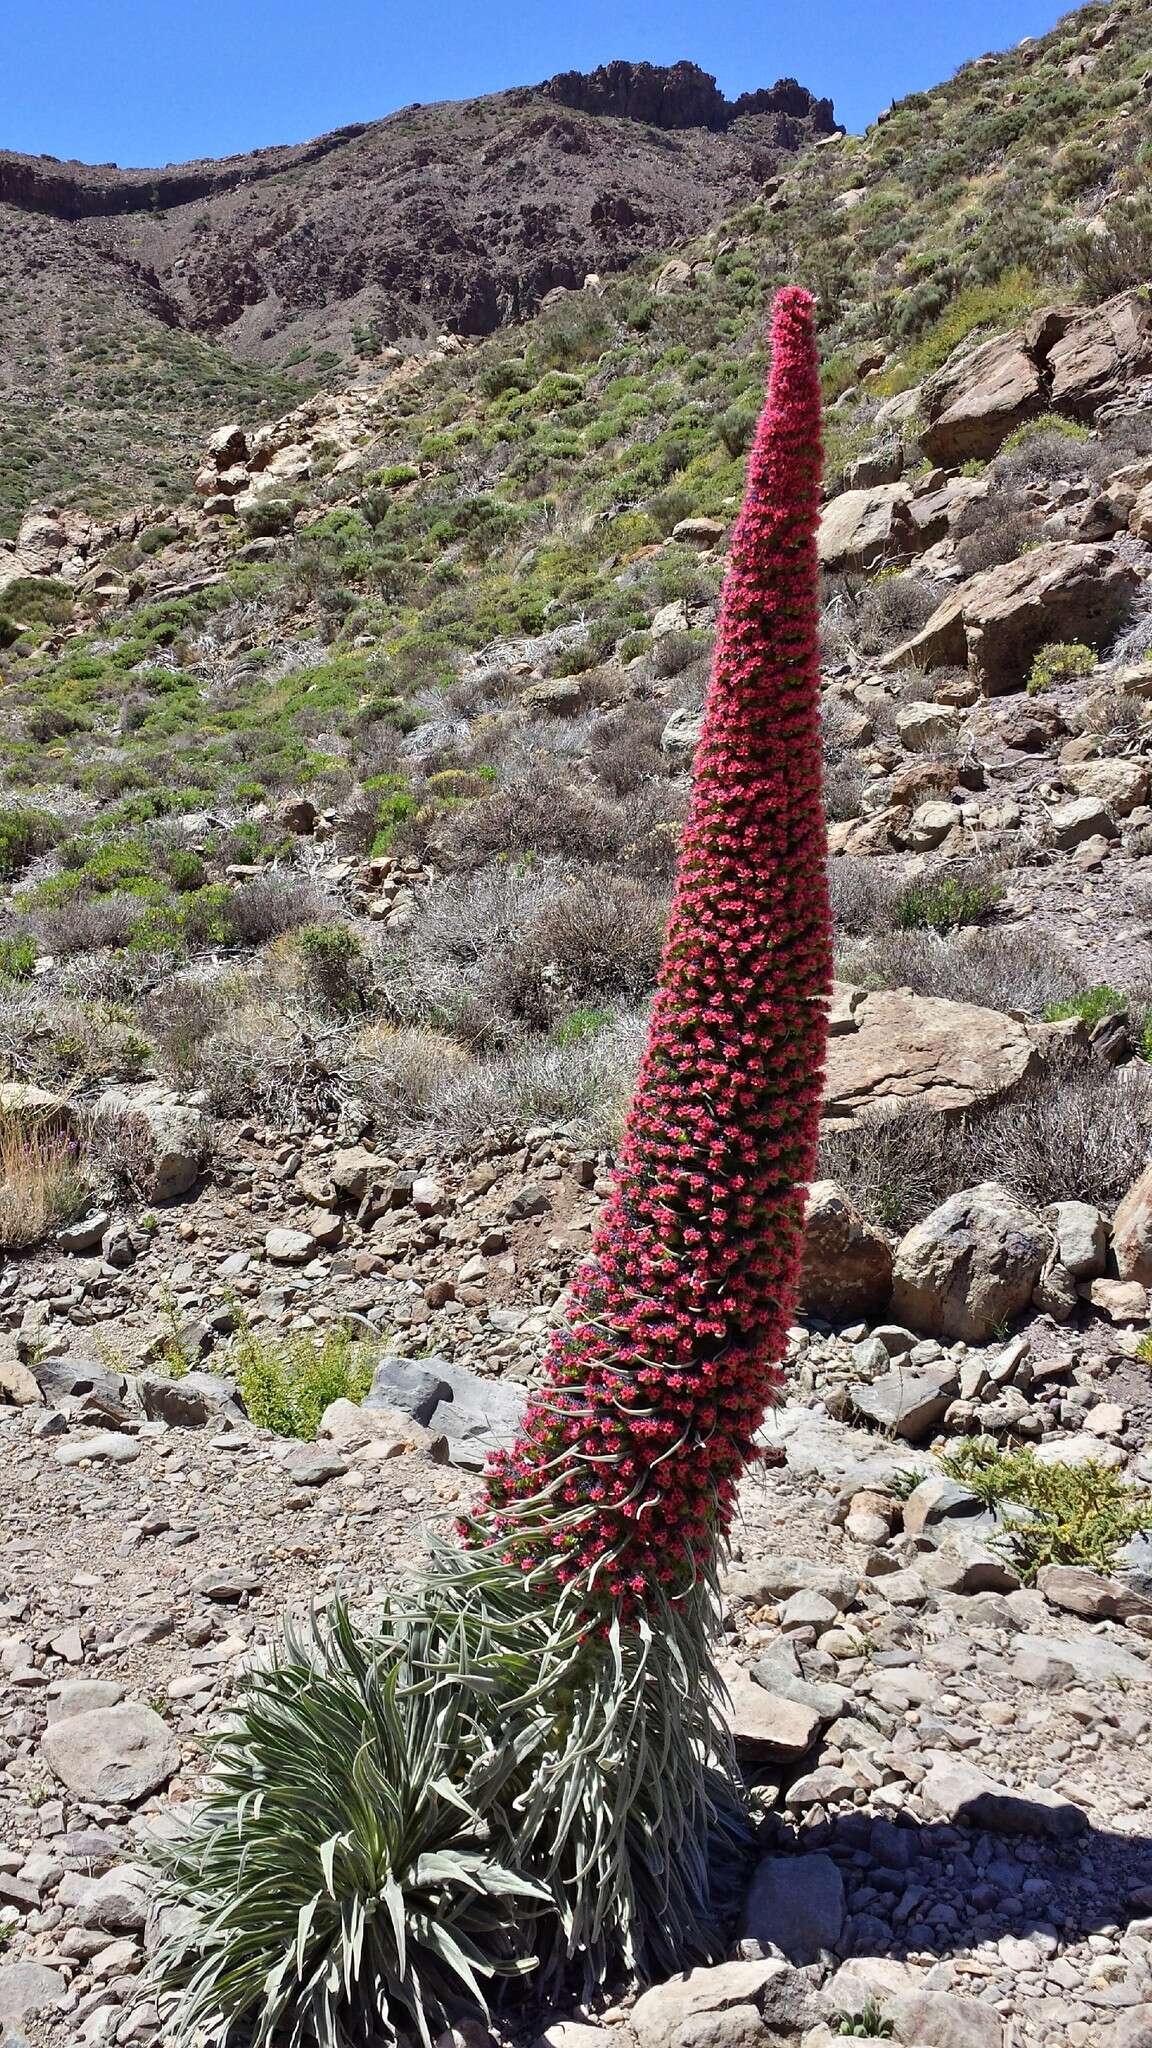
226,1584
824,1786
1106,1419
116,1902
289,1247
937,1500
807,1610
313,1465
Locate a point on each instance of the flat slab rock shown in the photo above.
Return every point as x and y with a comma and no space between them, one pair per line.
766,1727
889,1047
1091,1658
114,1756
816,1446
958,1791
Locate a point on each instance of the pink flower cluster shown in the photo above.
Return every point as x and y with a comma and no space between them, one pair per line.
626,1468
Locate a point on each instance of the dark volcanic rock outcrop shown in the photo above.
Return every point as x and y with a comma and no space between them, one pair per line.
682,96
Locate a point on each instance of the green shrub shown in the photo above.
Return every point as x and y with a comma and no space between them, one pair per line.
1093,1004
17,959
580,1025
24,834
987,308
396,806
510,375
1065,661
1104,264
737,423
1047,423
39,601
337,969
1077,1514
269,517
941,903
288,1381
153,538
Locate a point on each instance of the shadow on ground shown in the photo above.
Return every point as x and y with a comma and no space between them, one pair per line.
925,1887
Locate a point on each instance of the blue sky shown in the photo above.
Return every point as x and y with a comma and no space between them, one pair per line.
158,81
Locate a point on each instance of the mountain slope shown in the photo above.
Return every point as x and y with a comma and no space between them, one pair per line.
145,294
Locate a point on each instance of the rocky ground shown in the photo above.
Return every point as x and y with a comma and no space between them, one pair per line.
952,1768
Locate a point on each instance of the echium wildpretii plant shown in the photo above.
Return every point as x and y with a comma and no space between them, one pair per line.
625,1473
523,1765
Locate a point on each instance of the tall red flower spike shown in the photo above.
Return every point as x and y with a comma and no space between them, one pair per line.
625,1473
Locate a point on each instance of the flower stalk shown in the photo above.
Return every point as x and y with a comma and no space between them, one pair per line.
625,1474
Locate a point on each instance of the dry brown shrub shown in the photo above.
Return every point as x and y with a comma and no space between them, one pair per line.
1079,1131
403,1072
43,1179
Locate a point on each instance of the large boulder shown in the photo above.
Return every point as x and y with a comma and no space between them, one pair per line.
1121,785
41,543
968,408
706,2007
1132,1232
847,1271
1098,353
167,1138
998,621
868,529
970,1265
797,1904
1073,360
890,1047
28,1988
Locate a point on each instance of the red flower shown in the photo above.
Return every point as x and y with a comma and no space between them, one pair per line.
681,1312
